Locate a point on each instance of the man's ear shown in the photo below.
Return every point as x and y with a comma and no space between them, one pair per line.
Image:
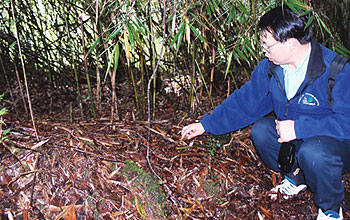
292,43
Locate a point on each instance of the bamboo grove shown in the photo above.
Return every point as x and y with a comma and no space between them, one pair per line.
65,46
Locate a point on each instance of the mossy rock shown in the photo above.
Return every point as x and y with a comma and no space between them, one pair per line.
152,194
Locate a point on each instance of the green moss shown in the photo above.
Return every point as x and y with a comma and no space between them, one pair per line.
211,188
153,194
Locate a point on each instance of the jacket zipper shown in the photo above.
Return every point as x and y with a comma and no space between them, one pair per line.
284,92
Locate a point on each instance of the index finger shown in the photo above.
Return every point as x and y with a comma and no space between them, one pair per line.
184,132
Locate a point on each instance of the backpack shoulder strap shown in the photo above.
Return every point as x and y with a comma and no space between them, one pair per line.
337,65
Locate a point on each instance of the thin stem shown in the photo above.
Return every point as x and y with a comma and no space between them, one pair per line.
24,71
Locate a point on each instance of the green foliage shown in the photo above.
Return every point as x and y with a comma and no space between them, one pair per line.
3,111
3,134
201,38
212,144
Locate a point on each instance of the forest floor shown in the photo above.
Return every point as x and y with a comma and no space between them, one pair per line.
98,169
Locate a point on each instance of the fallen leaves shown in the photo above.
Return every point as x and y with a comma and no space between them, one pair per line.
81,175
68,213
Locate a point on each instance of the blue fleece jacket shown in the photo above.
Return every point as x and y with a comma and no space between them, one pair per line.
308,108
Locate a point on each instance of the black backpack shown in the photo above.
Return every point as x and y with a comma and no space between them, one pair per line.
337,65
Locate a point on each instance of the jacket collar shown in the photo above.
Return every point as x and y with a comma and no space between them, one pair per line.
316,65
315,68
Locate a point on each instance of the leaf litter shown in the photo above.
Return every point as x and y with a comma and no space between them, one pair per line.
96,169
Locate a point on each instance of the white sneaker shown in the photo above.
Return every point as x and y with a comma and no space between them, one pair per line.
330,215
287,189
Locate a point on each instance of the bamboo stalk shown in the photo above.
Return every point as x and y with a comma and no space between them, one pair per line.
148,96
172,198
205,85
152,59
130,70
91,101
143,76
154,96
114,104
76,77
136,95
98,78
24,71
20,86
212,71
205,47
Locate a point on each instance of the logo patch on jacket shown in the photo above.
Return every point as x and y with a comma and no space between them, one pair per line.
308,99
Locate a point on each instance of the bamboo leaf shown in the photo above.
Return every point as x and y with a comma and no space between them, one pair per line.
127,5
114,33
195,18
291,6
13,45
228,63
142,24
337,44
3,111
342,50
170,18
140,208
211,7
306,12
232,15
6,132
309,22
196,32
229,19
110,58
207,7
214,4
241,54
300,5
175,39
178,37
243,9
142,31
324,26
135,33
116,5
131,36
93,46
248,47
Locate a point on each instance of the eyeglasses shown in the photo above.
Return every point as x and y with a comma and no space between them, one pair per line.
267,48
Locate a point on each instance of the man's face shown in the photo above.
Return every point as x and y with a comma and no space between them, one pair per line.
277,52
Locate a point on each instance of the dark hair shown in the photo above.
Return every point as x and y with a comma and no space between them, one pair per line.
283,23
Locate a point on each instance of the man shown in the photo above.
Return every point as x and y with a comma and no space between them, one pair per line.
296,92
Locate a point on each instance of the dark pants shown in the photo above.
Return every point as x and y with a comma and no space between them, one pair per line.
322,160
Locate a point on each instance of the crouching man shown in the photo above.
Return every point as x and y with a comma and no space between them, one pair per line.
292,83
